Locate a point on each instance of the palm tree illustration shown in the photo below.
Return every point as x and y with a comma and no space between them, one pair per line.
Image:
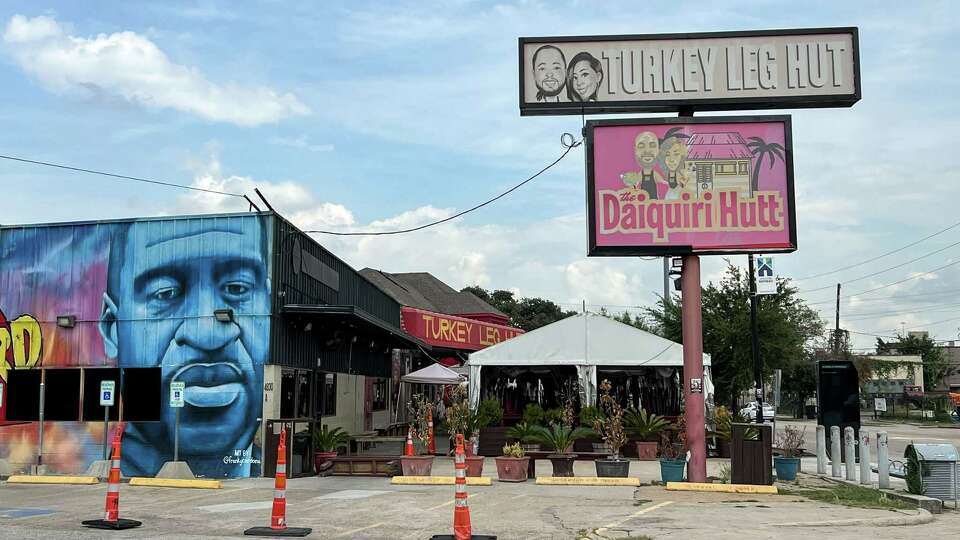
760,149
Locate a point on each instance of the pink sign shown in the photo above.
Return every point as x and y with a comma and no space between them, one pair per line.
669,186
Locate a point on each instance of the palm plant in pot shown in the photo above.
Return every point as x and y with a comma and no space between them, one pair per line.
419,464
673,452
526,435
512,465
647,428
790,443
610,427
326,442
561,439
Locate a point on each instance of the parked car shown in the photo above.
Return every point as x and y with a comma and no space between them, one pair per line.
749,411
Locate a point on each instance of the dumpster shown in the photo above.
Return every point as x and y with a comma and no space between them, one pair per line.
938,469
751,454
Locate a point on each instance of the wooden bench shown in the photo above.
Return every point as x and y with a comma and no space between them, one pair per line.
365,465
534,455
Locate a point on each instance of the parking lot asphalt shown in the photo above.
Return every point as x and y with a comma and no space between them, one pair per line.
372,508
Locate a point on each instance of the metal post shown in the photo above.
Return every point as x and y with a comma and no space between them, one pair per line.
836,330
821,450
176,434
693,368
43,393
835,451
883,460
755,342
666,281
849,443
865,475
106,431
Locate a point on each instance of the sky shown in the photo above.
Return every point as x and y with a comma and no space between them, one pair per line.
361,116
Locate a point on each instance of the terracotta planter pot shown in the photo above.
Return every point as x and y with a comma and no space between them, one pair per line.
613,468
416,465
646,450
511,469
562,464
319,458
474,465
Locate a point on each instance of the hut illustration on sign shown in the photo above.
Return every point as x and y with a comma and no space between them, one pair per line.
723,162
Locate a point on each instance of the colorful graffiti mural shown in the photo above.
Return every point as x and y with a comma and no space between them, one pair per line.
143,294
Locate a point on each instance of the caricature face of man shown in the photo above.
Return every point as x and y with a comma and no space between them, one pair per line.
646,146
171,280
549,70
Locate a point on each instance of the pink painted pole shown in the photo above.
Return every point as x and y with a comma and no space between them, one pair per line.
693,369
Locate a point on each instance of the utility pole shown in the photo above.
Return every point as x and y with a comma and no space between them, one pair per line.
836,329
755,341
666,281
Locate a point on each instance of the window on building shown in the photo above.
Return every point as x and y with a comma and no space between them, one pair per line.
142,394
329,395
725,168
23,394
380,389
743,167
92,410
62,402
303,393
288,393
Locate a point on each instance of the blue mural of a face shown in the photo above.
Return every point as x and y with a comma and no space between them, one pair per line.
166,278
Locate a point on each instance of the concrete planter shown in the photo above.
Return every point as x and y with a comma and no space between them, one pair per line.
562,464
511,469
647,450
474,465
319,458
416,465
613,468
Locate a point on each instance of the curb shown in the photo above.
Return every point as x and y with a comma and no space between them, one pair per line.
586,481
920,518
721,488
438,481
175,483
930,504
74,480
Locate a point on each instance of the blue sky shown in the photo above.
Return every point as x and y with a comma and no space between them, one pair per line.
367,115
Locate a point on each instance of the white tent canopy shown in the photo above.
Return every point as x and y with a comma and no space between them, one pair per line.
433,374
585,341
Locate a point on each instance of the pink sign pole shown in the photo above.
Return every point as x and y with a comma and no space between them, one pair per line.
693,369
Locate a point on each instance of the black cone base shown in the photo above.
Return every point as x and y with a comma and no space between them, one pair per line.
472,537
288,532
117,525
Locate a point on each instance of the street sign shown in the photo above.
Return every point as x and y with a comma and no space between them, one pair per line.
107,392
176,394
696,386
766,279
880,404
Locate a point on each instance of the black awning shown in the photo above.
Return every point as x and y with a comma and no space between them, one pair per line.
355,315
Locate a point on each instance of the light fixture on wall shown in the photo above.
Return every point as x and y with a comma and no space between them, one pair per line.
66,321
223,315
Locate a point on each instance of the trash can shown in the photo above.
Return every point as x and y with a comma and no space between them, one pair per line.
751,454
811,412
938,469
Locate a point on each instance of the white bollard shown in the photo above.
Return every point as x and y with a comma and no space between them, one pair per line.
883,460
850,448
835,452
866,478
821,450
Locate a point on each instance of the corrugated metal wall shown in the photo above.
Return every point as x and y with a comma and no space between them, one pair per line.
292,285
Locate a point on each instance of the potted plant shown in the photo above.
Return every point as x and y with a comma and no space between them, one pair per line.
588,417
561,438
532,414
525,435
418,465
673,452
488,414
646,427
723,420
512,465
790,443
610,427
326,442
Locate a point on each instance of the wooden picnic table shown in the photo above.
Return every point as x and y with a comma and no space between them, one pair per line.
542,454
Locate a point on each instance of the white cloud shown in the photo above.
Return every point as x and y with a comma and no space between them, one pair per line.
132,68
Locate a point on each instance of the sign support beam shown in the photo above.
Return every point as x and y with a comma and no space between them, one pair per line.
693,369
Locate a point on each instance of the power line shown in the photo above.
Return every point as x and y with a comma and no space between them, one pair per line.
861,263
568,145
892,297
919,275
119,176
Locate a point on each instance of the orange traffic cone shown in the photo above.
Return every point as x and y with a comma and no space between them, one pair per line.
431,445
408,451
462,530
278,517
111,519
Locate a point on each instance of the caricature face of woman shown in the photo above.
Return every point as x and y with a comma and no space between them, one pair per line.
585,80
674,156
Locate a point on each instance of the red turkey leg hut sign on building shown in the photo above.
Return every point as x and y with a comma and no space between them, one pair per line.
453,332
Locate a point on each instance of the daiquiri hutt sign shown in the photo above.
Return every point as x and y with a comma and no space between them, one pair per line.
705,185
763,69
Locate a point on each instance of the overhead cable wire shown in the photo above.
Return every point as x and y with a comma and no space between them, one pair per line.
861,263
568,143
119,176
915,276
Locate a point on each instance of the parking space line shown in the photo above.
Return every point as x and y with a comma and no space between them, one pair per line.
448,503
354,531
635,514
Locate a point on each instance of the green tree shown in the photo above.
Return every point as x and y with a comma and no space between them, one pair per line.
787,329
526,313
936,366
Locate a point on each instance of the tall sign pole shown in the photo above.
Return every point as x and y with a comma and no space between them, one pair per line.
755,342
693,368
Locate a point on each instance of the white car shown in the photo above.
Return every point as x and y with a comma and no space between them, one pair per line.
750,412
